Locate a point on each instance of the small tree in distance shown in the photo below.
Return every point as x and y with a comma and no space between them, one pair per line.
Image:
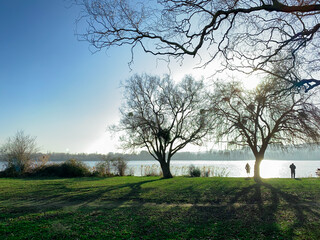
120,165
112,165
264,117
19,151
163,116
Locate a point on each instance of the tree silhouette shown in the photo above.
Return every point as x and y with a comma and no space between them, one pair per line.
244,35
264,116
162,116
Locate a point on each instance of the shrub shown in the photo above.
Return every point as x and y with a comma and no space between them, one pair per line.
52,170
111,166
10,171
70,168
221,172
41,161
194,171
120,165
152,170
103,169
130,172
18,152
74,168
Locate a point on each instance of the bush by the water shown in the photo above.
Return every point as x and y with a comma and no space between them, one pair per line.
194,171
102,169
10,171
18,153
111,166
120,165
70,168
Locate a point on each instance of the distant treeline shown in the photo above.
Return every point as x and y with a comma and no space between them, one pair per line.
273,154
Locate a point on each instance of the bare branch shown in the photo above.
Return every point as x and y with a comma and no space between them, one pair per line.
163,116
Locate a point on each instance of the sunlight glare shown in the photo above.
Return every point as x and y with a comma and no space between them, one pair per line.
103,144
268,170
250,83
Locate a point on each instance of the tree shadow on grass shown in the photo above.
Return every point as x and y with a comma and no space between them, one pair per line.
60,196
116,193
259,211
302,212
262,211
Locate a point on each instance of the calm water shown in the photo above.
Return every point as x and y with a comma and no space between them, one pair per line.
269,168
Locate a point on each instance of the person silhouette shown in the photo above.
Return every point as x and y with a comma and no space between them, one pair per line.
248,169
293,170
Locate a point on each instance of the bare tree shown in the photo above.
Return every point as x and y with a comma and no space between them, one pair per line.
264,116
244,35
162,116
19,151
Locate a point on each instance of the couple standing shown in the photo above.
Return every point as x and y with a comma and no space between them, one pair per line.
292,167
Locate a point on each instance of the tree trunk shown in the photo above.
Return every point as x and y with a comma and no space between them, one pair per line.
165,167
257,163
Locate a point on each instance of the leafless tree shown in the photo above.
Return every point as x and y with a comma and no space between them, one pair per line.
19,151
163,116
244,35
264,116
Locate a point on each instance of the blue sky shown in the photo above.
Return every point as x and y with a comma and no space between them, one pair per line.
52,86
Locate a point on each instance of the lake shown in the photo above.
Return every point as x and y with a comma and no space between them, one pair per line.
269,168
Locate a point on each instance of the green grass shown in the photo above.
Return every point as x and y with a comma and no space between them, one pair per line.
155,208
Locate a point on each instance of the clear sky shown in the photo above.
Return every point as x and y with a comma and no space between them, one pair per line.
52,86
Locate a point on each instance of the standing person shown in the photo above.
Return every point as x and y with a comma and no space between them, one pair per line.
248,169
293,170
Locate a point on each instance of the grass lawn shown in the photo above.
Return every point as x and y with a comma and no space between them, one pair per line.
155,208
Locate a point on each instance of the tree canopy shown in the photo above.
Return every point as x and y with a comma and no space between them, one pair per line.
243,35
263,117
163,116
